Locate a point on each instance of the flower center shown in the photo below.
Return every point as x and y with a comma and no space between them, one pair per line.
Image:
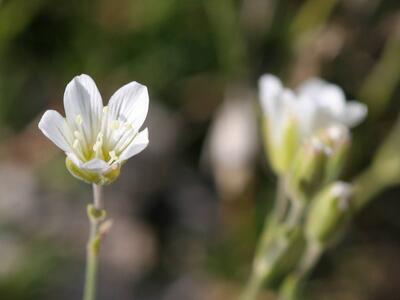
113,137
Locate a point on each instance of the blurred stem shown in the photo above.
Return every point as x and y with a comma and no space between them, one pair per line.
380,84
295,213
310,258
224,19
312,14
257,277
96,215
274,219
291,286
281,200
253,286
383,172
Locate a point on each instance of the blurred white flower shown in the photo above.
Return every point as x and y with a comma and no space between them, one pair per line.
293,116
97,139
232,143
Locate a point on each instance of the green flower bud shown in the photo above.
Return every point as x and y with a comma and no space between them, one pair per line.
329,213
308,170
93,177
338,139
282,149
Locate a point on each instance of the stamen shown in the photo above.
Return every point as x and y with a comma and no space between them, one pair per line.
105,109
78,120
76,144
77,134
99,142
113,156
128,125
115,124
126,139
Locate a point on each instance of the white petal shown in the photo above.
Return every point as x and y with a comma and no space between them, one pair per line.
355,113
306,115
82,98
326,96
311,87
270,88
138,144
130,104
96,165
55,128
76,161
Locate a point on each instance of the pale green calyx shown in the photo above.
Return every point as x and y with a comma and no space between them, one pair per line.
329,213
308,171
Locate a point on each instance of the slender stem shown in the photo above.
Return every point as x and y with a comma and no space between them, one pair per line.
93,245
291,286
310,258
281,201
256,279
98,196
295,213
91,270
253,286
272,220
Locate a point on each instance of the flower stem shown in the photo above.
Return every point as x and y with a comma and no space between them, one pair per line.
291,287
96,214
253,286
255,282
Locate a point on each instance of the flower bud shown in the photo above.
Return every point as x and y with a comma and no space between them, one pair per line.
308,170
329,213
281,149
93,177
338,139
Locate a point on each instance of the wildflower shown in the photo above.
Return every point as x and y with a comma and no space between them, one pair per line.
291,117
98,139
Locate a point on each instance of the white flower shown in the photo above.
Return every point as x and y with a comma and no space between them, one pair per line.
97,139
294,116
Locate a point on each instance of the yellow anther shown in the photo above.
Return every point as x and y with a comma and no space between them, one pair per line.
78,120
96,146
128,125
75,144
113,156
77,134
115,124
105,109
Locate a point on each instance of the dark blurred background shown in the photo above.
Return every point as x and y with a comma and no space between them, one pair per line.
187,210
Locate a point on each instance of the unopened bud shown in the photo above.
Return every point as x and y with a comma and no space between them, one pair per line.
308,170
282,148
329,213
338,139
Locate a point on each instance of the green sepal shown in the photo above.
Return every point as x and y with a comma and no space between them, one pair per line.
92,177
329,214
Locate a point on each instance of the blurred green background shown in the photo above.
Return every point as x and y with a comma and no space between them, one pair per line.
188,210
